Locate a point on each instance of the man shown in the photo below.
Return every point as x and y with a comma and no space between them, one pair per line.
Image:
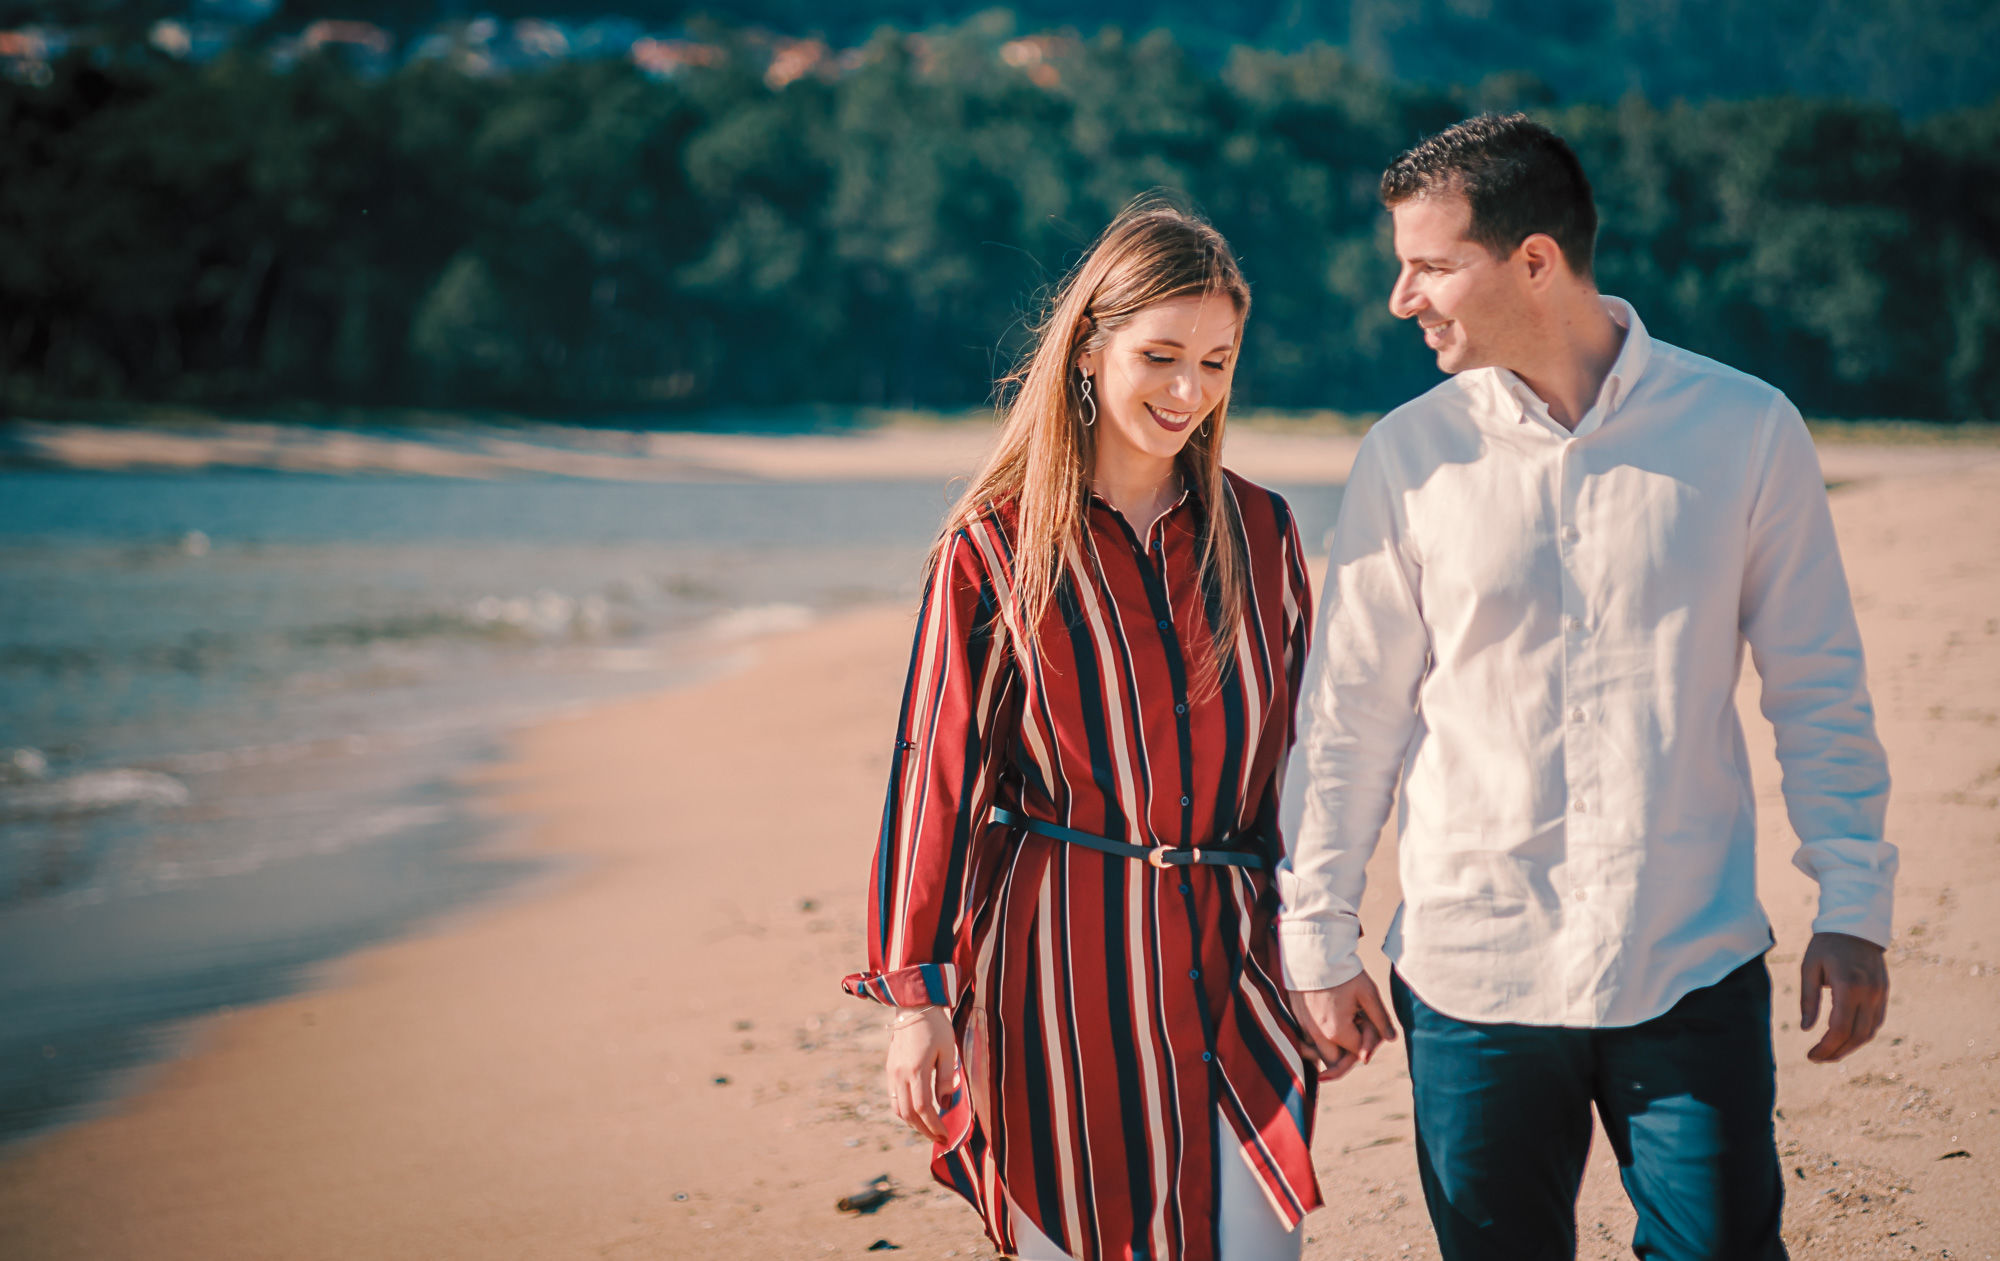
1533,615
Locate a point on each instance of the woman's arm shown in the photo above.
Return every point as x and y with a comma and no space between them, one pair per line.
960,707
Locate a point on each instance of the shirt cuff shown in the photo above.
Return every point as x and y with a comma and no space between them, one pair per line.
1857,886
1318,956
919,985
1857,904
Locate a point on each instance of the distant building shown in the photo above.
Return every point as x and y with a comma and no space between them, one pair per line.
332,33
664,58
362,45
536,40
25,54
1036,55
794,59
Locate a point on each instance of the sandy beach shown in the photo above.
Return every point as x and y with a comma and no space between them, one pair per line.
645,1053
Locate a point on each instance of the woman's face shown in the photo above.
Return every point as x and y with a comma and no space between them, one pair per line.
1161,374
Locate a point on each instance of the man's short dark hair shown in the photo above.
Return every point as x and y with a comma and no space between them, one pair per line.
1519,177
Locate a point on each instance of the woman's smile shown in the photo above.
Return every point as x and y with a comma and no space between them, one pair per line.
1172,422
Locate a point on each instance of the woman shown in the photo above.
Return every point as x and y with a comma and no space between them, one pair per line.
1072,895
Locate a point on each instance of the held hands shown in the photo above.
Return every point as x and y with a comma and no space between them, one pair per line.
1854,970
923,1055
1345,1023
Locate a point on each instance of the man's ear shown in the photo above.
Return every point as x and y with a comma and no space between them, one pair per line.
1542,257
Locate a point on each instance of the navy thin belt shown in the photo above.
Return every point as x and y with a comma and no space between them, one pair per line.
1157,855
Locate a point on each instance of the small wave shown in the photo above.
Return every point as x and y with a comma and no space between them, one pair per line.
23,765
546,613
760,619
92,791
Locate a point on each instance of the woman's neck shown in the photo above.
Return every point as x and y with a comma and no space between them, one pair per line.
1140,487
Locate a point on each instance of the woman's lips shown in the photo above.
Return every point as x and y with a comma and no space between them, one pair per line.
1168,423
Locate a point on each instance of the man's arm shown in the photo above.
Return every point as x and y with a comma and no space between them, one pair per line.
1799,621
1358,710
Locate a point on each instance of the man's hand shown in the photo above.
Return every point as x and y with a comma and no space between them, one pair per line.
1345,1023
1853,969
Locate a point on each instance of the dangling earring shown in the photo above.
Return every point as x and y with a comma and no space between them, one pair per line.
1089,401
1203,430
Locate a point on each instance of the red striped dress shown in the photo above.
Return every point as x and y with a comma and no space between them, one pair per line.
1107,1010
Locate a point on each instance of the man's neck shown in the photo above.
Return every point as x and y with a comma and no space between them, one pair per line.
1578,347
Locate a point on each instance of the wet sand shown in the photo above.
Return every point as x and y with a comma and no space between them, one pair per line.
646,1053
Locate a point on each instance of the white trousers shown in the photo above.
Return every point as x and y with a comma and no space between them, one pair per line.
1251,1229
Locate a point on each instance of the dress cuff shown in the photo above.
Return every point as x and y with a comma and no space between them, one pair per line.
919,985
1319,956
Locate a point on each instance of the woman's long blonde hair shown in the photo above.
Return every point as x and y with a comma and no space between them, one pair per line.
1152,252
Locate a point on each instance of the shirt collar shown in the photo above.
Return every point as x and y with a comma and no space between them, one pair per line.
1626,369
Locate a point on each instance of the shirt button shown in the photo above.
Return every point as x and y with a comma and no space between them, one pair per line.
1581,806
1580,895
1576,623
1576,716
1570,534
1187,801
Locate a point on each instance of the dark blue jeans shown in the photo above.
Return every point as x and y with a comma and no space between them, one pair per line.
1503,1126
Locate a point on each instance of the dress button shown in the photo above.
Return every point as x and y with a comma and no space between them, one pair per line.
1187,888
1180,709
1206,1057
1187,801
1194,974
1164,625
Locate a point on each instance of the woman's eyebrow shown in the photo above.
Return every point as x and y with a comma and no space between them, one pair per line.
1223,349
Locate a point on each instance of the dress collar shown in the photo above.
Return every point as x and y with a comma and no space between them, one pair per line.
1190,493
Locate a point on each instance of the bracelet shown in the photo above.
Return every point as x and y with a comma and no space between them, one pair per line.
909,1016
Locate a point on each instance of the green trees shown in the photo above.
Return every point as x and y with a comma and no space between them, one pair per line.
877,227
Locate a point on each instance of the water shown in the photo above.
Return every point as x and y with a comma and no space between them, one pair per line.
234,707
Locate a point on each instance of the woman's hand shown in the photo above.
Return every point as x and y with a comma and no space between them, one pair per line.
1345,1024
923,1055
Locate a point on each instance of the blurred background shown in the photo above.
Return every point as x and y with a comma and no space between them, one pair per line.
357,360
559,206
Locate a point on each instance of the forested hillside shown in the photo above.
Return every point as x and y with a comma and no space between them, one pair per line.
586,236
1920,56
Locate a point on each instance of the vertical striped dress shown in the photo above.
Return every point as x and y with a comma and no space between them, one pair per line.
1106,1010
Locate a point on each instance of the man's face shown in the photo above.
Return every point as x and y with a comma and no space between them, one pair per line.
1469,302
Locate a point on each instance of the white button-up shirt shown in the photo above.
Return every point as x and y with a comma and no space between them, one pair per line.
1539,633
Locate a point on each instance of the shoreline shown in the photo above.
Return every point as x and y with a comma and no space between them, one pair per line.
1299,449
537,1075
